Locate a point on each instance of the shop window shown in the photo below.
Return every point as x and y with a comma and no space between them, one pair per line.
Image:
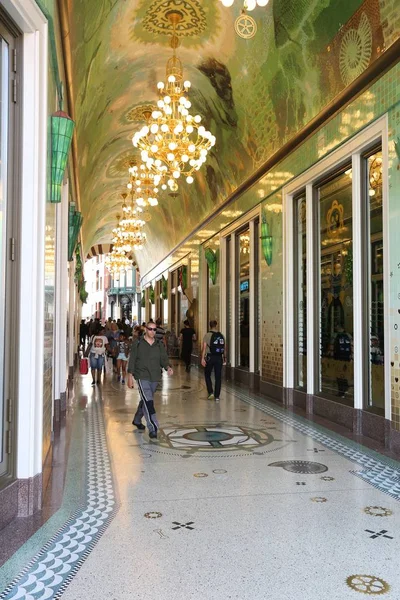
375,288
243,283
336,367
300,291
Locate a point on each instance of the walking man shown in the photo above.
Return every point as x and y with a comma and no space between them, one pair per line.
147,358
213,358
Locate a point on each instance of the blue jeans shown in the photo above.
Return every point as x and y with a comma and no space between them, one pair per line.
146,405
96,361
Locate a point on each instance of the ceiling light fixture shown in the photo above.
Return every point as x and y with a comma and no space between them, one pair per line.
173,143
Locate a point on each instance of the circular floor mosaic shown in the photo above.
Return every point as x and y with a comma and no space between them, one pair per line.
305,467
207,438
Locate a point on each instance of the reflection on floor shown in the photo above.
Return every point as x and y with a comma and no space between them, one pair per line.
237,499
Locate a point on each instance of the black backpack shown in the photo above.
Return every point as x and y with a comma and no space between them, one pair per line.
217,344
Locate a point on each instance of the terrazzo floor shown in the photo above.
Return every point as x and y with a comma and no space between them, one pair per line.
238,499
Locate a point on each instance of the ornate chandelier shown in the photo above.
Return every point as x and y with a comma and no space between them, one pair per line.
173,143
128,234
117,261
143,182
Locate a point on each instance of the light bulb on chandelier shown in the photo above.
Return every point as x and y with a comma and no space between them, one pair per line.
247,4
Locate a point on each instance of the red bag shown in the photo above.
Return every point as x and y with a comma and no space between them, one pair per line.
84,366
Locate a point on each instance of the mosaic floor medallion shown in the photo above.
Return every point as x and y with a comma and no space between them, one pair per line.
153,515
368,584
319,499
378,511
327,478
200,475
205,438
219,471
304,467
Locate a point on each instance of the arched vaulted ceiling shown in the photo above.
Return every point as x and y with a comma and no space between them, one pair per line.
252,94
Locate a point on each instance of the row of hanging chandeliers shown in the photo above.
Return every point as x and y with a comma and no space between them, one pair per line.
173,145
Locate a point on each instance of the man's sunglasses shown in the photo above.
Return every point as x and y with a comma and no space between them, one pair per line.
152,328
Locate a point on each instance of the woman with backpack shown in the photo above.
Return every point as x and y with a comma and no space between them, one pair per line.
213,359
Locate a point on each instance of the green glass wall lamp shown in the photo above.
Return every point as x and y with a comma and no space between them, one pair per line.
74,224
266,241
62,129
211,258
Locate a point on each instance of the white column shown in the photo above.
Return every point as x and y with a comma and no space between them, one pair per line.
232,344
59,359
252,299
386,270
358,292
71,314
313,277
288,292
32,251
203,295
223,286
63,359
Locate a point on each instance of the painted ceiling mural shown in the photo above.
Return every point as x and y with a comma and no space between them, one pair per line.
253,95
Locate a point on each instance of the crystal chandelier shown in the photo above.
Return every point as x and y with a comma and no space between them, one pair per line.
173,143
143,182
247,4
117,261
128,237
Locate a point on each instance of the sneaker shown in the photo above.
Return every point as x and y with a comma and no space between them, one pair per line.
152,435
216,399
123,382
119,378
93,382
211,397
140,426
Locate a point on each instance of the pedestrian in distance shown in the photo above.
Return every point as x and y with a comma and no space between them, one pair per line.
213,359
99,345
147,359
187,337
122,357
160,333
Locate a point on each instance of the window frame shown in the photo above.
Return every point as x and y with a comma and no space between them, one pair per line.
353,150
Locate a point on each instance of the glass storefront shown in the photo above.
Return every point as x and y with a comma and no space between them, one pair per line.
373,171
243,313
336,367
300,289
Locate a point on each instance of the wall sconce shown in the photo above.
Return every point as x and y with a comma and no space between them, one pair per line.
211,258
266,242
62,129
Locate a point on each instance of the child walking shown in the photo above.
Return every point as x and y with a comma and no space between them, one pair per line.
122,357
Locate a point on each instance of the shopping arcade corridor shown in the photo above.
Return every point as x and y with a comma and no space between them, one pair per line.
275,513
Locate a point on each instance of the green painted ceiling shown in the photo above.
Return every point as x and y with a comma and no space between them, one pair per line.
253,94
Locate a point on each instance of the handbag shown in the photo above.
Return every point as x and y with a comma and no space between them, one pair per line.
84,366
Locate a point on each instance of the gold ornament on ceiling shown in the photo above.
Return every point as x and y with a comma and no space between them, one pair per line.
121,164
245,26
135,114
192,23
